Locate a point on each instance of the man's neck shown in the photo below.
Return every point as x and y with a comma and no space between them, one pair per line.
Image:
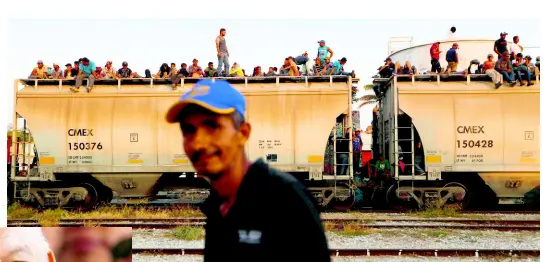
228,184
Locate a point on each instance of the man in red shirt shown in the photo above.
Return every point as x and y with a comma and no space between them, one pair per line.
434,54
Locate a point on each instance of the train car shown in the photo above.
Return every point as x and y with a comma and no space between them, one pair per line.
479,146
114,145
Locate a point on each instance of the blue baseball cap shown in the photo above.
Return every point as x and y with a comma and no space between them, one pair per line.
322,41
219,97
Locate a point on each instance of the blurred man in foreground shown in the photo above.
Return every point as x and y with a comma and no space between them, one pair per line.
253,211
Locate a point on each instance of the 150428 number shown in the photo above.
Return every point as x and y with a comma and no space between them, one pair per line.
474,143
84,146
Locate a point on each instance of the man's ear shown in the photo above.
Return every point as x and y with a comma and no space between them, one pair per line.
244,133
51,256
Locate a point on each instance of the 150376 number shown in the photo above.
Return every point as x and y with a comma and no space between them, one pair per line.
84,146
474,143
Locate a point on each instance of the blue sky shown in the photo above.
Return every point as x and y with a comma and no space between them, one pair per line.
147,43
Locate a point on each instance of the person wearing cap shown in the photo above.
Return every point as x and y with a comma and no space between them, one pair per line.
488,69
24,244
452,58
87,70
253,210
57,73
125,71
505,68
387,69
323,51
68,71
434,55
39,72
337,68
526,68
500,46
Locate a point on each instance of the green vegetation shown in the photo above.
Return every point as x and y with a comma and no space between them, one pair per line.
188,233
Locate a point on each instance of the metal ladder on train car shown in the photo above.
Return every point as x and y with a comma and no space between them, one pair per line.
412,176
349,165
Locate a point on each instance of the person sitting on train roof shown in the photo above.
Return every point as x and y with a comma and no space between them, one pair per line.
515,63
318,67
527,68
109,70
253,210
398,68
183,70
504,67
270,72
210,71
75,69
68,71
408,69
86,70
193,69
323,51
39,72
56,72
173,70
452,58
236,71
163,71
387,69
293,68
515,48
500,46
337,68
537,63
126,72
304,61
257,72
488,69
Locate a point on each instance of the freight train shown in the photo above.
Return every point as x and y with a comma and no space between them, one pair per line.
113,145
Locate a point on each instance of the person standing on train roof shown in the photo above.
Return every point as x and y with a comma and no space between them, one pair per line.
253,211
434,54
87,69
222,53
514,49
323,50
452,58
500,46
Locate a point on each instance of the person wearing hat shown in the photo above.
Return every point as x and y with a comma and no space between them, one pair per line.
505,67
253,210
323,51
39,72
500,46
452,58
434,55
387,69
488,69
526,68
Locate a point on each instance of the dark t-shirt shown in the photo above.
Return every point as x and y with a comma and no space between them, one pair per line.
124,72
273,211
501,44
451,55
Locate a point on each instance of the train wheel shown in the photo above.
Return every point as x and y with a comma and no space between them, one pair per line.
343,204
394,202
90,201
457,200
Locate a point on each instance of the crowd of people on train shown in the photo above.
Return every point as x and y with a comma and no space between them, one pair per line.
301,65
511,65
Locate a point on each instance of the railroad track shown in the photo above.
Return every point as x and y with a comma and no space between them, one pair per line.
372,252
168,223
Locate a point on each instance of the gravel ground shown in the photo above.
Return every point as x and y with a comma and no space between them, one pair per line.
390,238
147,258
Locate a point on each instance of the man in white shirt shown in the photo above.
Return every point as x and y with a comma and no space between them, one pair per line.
515,48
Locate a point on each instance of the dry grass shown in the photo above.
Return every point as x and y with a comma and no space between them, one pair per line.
437,212
52,217
188,233
352,229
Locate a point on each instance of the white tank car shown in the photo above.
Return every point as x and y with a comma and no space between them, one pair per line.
478,143
115,142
